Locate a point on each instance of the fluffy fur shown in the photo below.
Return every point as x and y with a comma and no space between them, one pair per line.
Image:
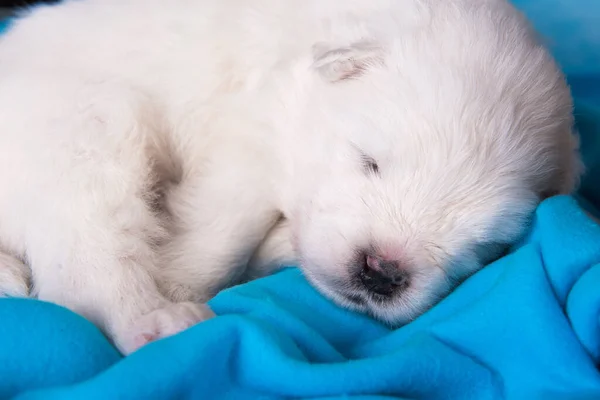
148,148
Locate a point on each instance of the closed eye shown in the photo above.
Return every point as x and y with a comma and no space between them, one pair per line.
369,164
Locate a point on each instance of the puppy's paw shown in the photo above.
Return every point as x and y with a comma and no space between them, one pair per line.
164,322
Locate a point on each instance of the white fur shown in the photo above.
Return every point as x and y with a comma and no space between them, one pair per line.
147,141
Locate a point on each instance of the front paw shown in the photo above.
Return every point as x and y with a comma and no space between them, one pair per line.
161,323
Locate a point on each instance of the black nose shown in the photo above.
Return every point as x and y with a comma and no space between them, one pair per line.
389,278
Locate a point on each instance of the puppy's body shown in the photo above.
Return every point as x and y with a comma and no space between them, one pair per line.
147,141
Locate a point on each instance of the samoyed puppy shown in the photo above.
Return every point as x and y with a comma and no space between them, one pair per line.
153,152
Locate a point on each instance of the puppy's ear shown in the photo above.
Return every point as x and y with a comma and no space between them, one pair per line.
341,63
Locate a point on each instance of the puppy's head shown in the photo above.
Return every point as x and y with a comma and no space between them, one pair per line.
424,166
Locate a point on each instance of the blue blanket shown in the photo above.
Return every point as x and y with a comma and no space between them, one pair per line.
525,327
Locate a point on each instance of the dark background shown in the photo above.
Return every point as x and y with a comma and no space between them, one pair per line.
22,3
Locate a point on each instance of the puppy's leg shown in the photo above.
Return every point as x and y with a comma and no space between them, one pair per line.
100,269
219,220
78,207
274,252
14,277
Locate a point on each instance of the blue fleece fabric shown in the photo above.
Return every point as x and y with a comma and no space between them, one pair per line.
525,327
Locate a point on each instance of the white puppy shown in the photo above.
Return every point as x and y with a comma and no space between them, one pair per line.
149,147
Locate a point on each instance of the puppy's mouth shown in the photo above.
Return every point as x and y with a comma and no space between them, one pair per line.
344,292
362,297
354,298
357,295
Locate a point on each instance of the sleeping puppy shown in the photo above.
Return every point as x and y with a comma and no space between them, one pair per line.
150,151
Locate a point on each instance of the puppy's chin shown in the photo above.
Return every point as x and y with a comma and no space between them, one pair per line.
404,308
